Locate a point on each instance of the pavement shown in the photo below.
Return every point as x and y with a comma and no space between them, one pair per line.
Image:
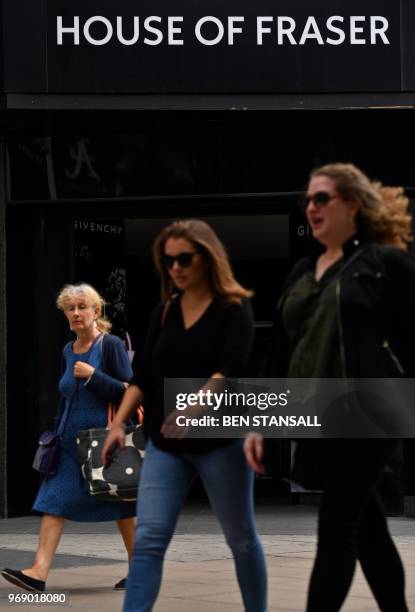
198,574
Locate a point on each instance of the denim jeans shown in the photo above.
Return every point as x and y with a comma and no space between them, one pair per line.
165,482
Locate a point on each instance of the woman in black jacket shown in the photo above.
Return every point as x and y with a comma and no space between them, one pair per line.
354,304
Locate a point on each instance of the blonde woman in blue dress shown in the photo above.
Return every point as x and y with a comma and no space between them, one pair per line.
96,371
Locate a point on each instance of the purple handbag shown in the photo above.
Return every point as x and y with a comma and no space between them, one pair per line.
47,455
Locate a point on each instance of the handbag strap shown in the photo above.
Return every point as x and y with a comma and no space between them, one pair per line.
112,409
335,278
60,429
164,313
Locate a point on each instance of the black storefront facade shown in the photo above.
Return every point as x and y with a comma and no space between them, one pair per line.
117,119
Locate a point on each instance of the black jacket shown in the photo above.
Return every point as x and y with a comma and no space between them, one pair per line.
376,301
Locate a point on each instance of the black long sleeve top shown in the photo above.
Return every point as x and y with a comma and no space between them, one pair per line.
219,341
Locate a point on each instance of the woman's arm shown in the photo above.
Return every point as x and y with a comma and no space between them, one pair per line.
238,340
133,397
401,307
143,367
254,452
170,429
140,382
109,382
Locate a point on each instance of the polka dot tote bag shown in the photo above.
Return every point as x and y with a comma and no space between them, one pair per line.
118,481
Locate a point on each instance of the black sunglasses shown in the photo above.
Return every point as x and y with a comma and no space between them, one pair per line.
321,198
184,259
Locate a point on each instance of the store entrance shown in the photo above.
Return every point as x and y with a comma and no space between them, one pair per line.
109,246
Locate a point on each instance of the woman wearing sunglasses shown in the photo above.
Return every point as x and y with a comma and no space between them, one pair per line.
203,328
353,304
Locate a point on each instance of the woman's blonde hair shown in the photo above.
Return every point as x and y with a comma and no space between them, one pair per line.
383,211
91,297
222,281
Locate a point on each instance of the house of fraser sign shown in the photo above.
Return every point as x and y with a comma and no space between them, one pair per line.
210,30
289,46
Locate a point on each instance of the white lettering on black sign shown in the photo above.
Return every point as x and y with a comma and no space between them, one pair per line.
97,227
211,31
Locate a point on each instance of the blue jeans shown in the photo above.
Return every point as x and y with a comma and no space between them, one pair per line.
165,482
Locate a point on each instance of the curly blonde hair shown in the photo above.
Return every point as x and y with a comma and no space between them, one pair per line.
222,281
383,211
91,297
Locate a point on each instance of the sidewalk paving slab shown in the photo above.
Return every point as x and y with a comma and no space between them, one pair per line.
199,575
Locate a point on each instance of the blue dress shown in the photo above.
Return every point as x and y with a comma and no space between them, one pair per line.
65,493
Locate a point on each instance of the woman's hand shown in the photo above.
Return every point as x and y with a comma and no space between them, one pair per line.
132,397
82,370
116,436
170,428
254,452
